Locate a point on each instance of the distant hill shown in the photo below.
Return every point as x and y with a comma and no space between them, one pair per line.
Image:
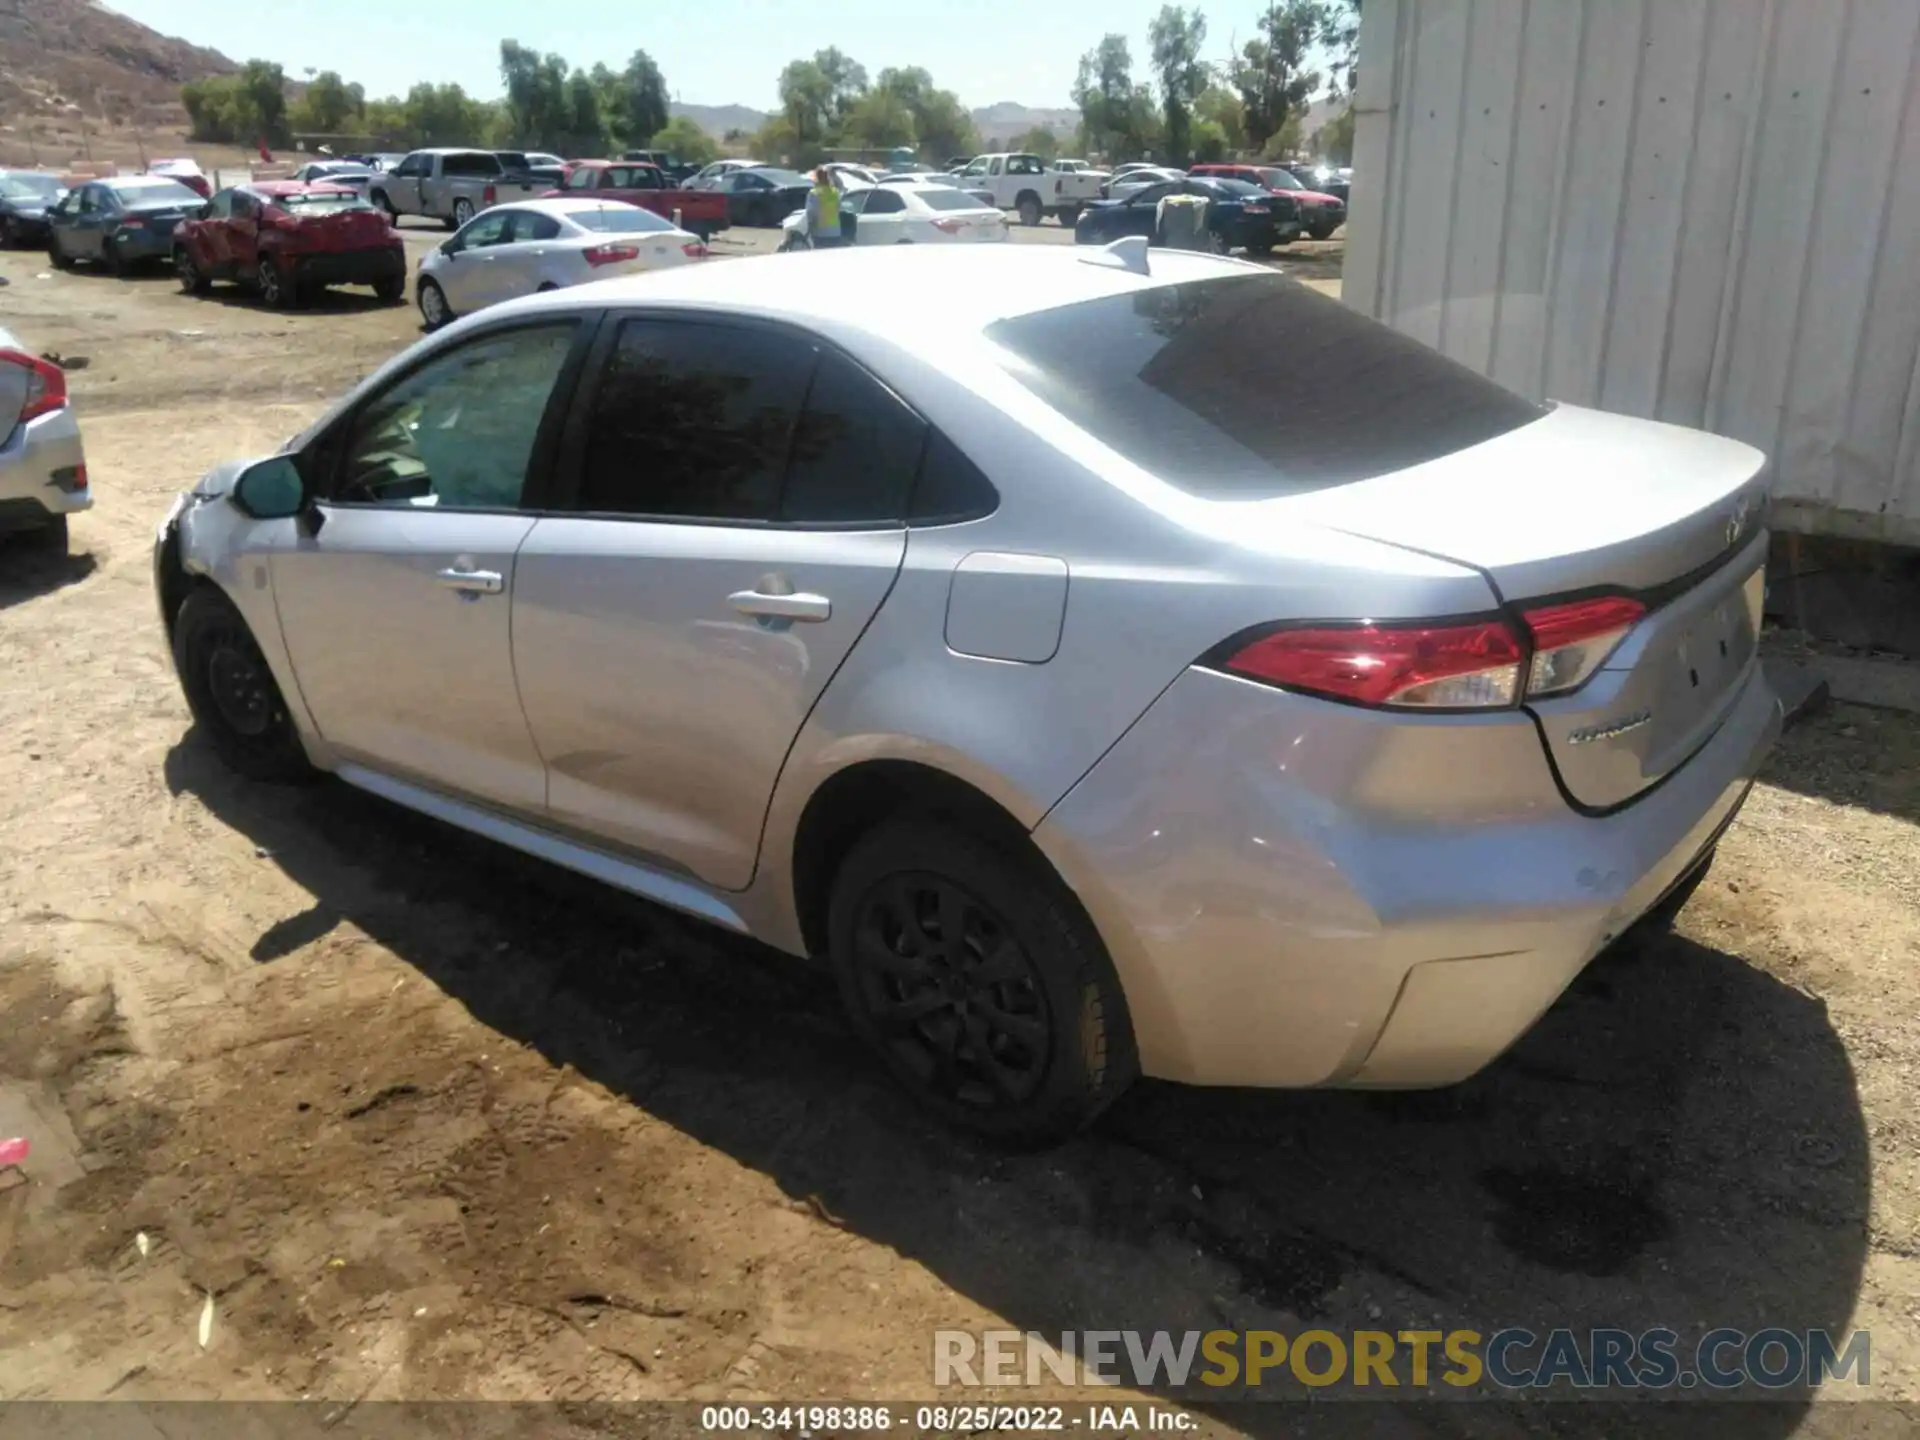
56,55
716,120
1007,121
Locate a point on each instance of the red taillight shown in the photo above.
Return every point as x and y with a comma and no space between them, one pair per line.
1427,667
46,384
1572,640
949,227
611,254
488,196
694,250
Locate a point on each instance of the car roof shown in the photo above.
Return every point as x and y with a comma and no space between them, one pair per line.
562,206
957,289
278,188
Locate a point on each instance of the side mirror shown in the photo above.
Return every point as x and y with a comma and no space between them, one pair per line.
270,489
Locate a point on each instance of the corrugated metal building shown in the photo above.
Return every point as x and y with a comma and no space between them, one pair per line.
1704,211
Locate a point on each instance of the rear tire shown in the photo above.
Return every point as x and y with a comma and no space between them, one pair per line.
1662,915
381,202
57,257
232,693
391,290
462,212
117,264
276,291
973,975
1029,208
192,282
49,539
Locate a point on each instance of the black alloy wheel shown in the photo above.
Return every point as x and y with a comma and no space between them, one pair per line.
232,692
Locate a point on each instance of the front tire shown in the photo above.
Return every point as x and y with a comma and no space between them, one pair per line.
232,693
381,202
390,290
434,309
973,975
1029,208
57,257
49,539
117,263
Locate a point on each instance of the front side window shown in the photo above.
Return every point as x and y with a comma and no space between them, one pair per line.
528,225
693,421
488,229
221,206
885,202
458,433
582,179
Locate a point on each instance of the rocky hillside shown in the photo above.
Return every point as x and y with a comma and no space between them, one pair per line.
61,59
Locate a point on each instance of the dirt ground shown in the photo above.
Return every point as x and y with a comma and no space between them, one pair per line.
422,1120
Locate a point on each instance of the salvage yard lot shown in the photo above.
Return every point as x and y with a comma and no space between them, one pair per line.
430,1121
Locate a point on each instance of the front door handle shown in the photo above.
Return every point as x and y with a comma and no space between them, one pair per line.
782,607
472,582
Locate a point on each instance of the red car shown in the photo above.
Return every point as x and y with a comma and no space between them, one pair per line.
1320,214
289,239
631,182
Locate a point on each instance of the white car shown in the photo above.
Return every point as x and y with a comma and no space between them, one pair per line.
906,210
515,250
337,172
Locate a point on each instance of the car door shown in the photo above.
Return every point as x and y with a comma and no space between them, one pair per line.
207,239
464,279
883,219
395,610
674,628
519,263
97,208
243,235
404,183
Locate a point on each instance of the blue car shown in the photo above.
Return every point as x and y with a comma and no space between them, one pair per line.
25,198
1240,216
121,222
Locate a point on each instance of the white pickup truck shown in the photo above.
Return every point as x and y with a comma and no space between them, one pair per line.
1028,185
452,186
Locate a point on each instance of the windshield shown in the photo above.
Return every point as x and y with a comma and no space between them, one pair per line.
1281,180
29,187
625,220
153,192
1252,387
321,203
936,198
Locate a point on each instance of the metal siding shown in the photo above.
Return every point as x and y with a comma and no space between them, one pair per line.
1705,211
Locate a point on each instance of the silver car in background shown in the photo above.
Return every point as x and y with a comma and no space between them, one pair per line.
43,471
515,250
1107,663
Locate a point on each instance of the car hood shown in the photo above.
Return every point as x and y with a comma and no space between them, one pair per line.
26,209
1318,196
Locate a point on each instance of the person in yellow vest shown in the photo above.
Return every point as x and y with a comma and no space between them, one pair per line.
823,211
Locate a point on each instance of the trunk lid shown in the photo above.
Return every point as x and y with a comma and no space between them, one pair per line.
361,228
1583,501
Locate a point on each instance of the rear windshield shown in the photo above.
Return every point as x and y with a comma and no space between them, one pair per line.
143,191
1252,387
627,220
1281,179
29,187
940,199
320,203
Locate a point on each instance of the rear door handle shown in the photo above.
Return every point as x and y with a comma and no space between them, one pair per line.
782,607
473,582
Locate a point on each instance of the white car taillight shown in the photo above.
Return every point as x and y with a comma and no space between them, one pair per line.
46,385
1573,640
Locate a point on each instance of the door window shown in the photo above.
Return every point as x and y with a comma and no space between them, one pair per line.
855,450
221,206
245,206
90,200
693,421
993,168
885,202
413,165
582,179
489,229
525,225
459,432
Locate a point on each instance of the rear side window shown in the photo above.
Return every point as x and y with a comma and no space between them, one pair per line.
855,451
884,202
1252,387
950,487
693,421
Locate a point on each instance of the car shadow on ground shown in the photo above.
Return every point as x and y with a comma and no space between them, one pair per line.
27,572
1853,755
1679,1143
331,301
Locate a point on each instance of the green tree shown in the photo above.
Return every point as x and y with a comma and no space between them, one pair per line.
644,90
1271,73
1209,142
263,88
806,106
329,105
1104,91
1176,38
1220,107
941,124
1341,35
846,82
1038,141
683,137
1333,141
586,131
445,115
879,120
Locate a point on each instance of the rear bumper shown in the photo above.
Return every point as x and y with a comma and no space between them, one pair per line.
142,243
348,267
1296,893
41,465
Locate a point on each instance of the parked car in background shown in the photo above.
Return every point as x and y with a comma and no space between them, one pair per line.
383,160
985,197
1130,178
453,186
1239,216
846,176
763,195
290,239
1024,184
904,213
708,177
1105,664
543,160
521,249
25,198
43,471
1320,213
668,164
187,172
1081,167
347,173
120,222
704,212
1325,179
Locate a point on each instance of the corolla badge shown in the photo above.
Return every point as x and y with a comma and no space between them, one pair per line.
1607,730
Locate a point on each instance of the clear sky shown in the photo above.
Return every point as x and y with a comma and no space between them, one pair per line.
713,52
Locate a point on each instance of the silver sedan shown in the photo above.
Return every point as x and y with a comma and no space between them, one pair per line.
1108,662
